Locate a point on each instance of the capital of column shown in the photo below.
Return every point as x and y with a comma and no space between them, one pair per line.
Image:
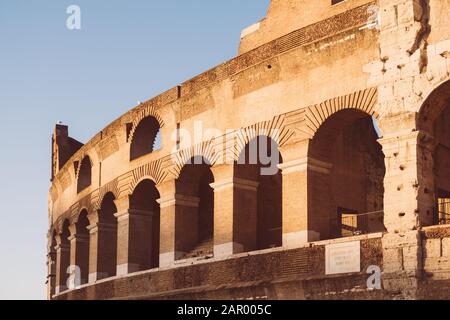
178,199
95,227
393,142
79,237
132,212
238,183
307,163
62,247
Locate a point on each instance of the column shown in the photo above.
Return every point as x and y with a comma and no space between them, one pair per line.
298,220
102,248
235,212
79,253
409,202
134,238
62,263
179,223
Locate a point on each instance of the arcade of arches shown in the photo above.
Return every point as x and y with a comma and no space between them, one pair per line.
218,210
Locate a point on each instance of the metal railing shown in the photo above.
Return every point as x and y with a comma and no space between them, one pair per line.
444,211
353,224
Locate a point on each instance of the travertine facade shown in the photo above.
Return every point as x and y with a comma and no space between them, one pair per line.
141,220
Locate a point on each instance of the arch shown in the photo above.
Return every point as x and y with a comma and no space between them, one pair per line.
363,100
110,187
106,255
346,171
196,217
433,106
84,174
433,120
257,167
82,245
145,138
144,229
274,129
152,171
205,150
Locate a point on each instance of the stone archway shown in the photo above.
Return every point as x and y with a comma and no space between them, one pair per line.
103,244
433,121
196,215
81,241
85,174
345,176
143,227
63,257
257,167
145,138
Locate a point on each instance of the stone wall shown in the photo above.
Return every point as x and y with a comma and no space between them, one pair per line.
270,274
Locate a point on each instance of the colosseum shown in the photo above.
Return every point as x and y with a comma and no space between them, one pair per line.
313,165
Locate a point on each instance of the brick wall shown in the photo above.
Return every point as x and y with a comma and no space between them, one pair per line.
285,274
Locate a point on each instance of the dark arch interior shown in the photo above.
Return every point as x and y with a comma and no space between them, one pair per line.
441,159
351,195
85,175
146,138
194,181
144,199
107,238
258,162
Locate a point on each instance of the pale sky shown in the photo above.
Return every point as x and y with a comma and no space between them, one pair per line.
126,51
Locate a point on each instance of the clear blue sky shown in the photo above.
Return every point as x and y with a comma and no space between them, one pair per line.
126,51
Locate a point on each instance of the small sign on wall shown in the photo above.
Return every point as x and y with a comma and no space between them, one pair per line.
343,258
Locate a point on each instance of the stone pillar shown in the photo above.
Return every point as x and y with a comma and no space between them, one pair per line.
409,203
134,238
62,263
409,199
102,246
79,253
179,223
235,212
167,254
298,227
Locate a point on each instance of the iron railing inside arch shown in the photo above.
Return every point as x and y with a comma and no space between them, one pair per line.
351,223
444,211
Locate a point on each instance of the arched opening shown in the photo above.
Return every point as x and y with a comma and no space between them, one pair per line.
441,157
257,167
85,174
107,238
434,120
82,246
144,226
64,256
195,220
146,138
346,172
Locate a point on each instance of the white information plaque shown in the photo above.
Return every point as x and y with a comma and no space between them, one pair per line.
343,258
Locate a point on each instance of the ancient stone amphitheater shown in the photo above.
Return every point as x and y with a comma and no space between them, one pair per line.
349,99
